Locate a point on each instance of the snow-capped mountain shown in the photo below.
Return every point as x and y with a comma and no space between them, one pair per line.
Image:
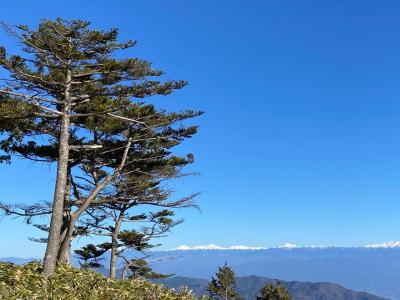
215,247
205,247
385,245
289,246
372,268
391,244
242,247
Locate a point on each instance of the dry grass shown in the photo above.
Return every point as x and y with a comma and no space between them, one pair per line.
28,282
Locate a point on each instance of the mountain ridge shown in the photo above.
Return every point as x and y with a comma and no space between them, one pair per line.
371,269
248,287
390,244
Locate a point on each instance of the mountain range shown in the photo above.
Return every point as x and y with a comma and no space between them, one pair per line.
374,269
249,286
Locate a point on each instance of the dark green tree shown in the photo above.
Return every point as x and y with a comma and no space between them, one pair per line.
66,84
274,292
130,232
222,287
129,245
90,256
140,268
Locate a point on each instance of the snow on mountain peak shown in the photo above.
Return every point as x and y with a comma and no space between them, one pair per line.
239,247
215,247
385,245
205,247
289,246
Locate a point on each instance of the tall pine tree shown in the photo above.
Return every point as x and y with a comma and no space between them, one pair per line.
68,76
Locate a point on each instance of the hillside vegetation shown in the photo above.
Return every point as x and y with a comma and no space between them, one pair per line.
28,282
249,286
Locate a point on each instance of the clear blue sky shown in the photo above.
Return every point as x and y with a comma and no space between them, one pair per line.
300,142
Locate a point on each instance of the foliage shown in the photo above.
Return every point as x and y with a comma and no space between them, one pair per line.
70,99
274,292
90,255
28,282
223,286
140,268
135,242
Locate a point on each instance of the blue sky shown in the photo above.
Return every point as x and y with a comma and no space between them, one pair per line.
300,141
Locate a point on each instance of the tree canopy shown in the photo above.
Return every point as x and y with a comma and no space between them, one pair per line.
274,292
70,99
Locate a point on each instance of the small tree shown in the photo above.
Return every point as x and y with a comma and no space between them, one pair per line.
129,245
223,286
274,292
90,256
139,268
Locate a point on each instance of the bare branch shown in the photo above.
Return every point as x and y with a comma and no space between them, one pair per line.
127,119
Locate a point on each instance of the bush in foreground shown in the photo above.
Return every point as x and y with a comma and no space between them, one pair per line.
28,282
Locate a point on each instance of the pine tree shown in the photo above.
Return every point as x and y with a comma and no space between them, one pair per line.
134,242
139,268
90,255
67,82
222,287
274,292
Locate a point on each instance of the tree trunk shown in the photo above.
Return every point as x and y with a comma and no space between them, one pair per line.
53,243
64,256
114,246
113,259
65,247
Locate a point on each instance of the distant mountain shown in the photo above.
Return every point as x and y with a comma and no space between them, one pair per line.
385,245
17,260
249,286
215,247
375,270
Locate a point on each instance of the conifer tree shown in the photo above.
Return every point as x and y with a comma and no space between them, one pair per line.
274,292
90,255
115,209
139,268
222,287
67,82
147,165
133,242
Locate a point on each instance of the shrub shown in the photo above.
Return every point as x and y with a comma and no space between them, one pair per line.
28,282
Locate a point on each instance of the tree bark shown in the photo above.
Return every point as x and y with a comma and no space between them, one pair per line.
53,244
114,246
65,246
64,257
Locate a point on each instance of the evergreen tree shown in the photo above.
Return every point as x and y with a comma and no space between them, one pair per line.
139,268
90,255
67,84
135,242
222,287
274,292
